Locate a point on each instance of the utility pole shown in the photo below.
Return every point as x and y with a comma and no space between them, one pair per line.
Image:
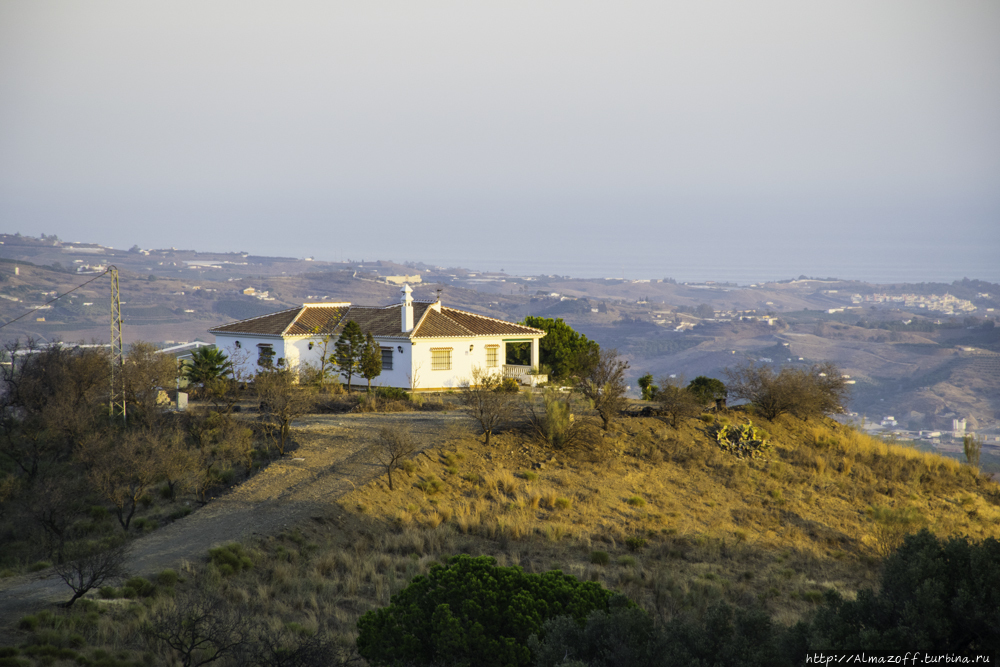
117,351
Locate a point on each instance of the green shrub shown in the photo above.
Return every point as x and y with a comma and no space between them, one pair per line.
563,503
529,476
942,596
431,485
471,612
600,557
230,559
634,542
636,501
108,592
167,578
179,513
626,561
509,386
408,466
392,393
28,623
39,566
140,587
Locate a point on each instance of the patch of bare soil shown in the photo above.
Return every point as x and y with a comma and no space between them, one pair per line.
333,457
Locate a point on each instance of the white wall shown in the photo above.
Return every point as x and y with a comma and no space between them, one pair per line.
244,357
414,360
462,360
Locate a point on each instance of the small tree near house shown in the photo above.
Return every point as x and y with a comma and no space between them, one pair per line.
347,351
370,365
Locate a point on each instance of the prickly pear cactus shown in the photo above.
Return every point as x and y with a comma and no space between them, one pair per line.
744,441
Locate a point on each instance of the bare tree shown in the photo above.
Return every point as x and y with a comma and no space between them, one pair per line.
392,446
605,385
123,467
489,403
200,627
282,401
676,401
93,565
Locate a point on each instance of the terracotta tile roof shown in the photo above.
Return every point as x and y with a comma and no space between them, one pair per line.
265,325
385,321
316,319
480,325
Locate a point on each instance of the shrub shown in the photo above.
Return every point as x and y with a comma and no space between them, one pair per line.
634,542
392,393
471,612
935,596
821,390
431,485
636,501
563,503
230,559
600,557
529,476
891,525
167,578
509,386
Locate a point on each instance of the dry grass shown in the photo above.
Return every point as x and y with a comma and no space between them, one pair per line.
667,518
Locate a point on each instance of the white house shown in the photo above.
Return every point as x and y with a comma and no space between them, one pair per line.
424,345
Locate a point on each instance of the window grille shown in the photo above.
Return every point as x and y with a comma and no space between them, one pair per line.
441,359
387,358
492,354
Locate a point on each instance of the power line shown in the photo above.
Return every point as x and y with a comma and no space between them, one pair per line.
101,275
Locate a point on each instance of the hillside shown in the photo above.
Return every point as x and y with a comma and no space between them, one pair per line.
660,514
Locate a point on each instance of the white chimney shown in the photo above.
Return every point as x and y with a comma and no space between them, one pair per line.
407,310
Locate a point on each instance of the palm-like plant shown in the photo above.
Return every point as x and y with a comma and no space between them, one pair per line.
207,364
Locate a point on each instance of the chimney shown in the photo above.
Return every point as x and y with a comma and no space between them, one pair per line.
406,312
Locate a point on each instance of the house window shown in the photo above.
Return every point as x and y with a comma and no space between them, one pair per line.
441,359
492,353
387,358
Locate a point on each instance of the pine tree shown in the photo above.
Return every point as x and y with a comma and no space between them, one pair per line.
371,360
348,349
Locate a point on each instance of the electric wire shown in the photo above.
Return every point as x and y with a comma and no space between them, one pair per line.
35,310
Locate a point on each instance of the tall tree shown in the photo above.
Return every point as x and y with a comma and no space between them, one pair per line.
370,365
347,351
566,352
709,390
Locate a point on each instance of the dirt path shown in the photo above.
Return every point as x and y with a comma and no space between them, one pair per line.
333,458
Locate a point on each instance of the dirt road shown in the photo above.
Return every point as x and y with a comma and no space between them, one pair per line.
333,458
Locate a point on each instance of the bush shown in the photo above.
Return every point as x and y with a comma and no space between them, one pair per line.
819,391
600,557
392,393
230,559
635,543
935,596
471,612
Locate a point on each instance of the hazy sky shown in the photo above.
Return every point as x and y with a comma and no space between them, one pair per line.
681,139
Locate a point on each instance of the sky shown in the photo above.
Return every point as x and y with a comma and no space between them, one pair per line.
695,140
